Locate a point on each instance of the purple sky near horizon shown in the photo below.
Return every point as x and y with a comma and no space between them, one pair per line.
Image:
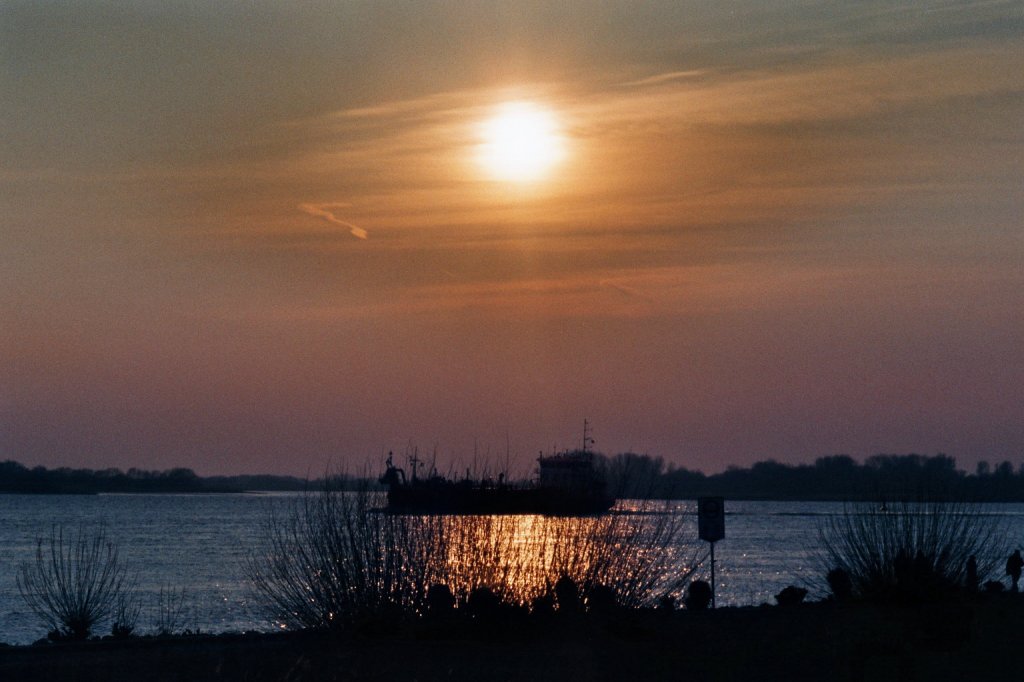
255,237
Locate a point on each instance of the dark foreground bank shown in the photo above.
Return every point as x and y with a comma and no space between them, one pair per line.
958,640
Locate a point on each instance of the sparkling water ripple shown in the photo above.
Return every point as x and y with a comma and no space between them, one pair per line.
199,544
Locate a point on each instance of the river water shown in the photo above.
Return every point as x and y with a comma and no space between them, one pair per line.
195,547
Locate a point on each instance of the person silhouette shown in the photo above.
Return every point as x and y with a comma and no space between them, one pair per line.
1013,567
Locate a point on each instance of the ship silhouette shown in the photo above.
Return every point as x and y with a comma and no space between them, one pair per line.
568,483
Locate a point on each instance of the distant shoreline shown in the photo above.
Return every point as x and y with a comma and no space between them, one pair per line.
836,478
19,479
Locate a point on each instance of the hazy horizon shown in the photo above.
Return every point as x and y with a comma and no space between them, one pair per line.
265,237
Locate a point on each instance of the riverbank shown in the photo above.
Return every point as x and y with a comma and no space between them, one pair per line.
957,640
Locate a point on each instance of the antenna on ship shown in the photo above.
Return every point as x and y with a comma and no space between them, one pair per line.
414,461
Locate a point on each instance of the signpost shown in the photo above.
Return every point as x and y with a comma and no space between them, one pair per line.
711,528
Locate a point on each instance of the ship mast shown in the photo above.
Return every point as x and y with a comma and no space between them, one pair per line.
414,461
587,440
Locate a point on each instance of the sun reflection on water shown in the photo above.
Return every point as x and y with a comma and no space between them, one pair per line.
333,558
640,553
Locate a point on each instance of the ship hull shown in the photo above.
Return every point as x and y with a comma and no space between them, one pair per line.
457,499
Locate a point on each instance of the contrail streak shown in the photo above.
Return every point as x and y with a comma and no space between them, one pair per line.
323,211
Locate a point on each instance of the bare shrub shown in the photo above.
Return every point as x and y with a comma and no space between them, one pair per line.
170,612
910,551
640,556
75,586
127,610
330,559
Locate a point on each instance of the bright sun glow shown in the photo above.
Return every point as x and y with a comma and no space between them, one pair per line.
520,143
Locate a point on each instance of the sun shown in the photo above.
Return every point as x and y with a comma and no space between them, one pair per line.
521,142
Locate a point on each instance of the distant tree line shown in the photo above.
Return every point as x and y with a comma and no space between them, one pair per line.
630,475
17,478
835,477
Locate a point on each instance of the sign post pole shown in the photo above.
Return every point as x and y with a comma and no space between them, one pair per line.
711,527
712,575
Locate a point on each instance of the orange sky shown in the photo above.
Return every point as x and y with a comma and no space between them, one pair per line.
255,237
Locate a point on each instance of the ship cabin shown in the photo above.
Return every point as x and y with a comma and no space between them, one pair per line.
573,472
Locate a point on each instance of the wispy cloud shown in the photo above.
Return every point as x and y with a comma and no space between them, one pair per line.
326,211
669,77
627,291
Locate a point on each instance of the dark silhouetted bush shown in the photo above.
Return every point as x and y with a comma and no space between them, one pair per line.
971,580
840,585
75,586
543,606
601,599
790,596
567,594
126,615
170,612
483,604
331,559
440,600
910,551
698,596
